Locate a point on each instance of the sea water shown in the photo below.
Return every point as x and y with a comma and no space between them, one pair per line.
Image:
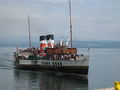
104,68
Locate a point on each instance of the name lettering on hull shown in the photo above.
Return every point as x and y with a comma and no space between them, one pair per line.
57,63
46,63
52,63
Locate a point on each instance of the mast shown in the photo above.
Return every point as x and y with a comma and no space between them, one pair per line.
29,32
70,23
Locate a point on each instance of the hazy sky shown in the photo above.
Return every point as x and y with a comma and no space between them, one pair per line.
91,19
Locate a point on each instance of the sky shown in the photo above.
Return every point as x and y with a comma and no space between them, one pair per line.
92,20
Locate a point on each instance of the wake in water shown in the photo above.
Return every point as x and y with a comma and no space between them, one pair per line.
6,58
5,63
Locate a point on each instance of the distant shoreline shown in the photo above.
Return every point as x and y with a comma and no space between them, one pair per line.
77,44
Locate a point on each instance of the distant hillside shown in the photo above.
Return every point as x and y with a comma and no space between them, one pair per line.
18,44
78,44
97,44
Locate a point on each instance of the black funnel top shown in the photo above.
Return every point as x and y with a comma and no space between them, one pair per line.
43,37
50,36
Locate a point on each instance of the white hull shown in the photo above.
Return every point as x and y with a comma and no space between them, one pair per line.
83,62
68,66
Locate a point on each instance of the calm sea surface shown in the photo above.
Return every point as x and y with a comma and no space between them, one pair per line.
103,71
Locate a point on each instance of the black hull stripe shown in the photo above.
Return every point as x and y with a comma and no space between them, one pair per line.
83,70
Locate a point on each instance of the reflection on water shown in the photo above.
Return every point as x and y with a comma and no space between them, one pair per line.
25,80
